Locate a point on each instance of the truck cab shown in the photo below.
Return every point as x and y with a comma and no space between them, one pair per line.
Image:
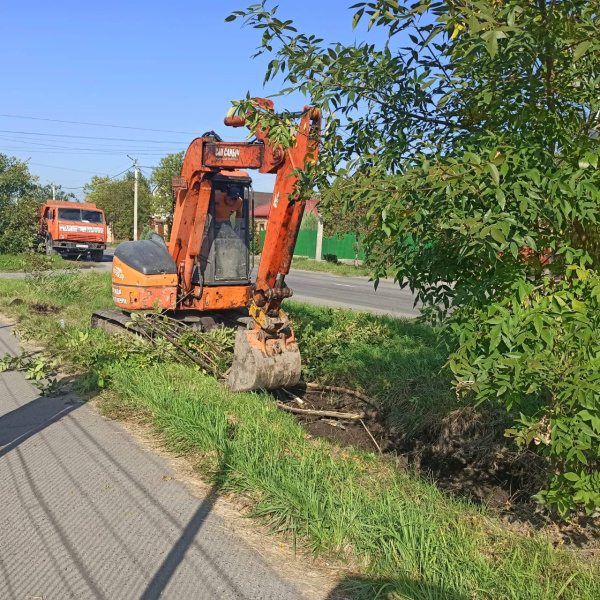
72,229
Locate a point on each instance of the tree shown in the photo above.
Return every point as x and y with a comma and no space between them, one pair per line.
470,137
15,180
115,198
310,222
340,221
44,192
169,166
20,199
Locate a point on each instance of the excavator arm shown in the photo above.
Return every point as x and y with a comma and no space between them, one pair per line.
285,216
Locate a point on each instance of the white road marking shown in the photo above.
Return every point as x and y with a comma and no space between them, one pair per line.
344,284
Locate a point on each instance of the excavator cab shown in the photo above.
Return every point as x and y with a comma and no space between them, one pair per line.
225,252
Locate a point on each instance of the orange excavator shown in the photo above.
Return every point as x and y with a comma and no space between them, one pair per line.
202,277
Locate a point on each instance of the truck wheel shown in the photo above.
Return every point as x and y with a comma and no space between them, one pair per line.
50,251
96,255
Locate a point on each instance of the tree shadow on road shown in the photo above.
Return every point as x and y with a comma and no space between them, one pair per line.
168,567
27,420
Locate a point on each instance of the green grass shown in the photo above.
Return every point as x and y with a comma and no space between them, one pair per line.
401,537
390,525
28,261
308,264
10,263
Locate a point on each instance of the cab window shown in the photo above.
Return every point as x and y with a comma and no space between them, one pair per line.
92,216
69,214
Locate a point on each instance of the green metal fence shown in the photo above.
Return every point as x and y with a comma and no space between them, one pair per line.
306,245
342,247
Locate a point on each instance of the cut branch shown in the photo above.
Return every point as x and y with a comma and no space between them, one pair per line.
322,413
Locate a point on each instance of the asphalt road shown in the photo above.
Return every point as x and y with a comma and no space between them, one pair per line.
352,292
328,290
87,513
344,292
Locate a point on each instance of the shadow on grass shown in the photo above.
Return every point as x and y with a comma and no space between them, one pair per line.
363,588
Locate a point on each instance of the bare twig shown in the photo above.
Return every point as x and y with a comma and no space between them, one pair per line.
322,413
371,436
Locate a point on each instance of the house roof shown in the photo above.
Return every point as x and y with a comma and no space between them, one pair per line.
262,212
261,198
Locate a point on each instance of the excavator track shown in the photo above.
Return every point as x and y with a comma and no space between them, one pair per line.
114,321
258,363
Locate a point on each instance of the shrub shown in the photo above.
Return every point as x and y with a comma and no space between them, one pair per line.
310,222
146,233
538,349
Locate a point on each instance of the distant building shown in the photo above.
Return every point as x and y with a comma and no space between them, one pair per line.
261,214
160,224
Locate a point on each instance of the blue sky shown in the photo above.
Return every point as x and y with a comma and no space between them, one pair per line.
157,65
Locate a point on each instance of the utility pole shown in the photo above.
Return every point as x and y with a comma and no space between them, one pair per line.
135,199
319,250
53,191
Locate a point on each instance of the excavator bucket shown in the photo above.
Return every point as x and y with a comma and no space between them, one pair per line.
262,362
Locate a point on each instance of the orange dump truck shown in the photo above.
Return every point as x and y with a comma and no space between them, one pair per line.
72,228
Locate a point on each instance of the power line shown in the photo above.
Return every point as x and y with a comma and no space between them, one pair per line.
113,177
89,137
144,172
119,168
53,144
85,153
97,124
63,168
121,173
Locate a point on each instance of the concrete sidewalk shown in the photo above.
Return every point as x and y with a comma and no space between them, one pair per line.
87,513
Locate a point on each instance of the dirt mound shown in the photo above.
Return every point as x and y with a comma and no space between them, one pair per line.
369,432
465,454
41,308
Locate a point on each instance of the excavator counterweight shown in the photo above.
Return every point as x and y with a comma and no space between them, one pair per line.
203,275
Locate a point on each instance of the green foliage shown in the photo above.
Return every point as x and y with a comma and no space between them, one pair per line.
63,286
541,343
20,199
310,222
331,258
15,180
146,233
405,537
115,198
100,354
469,138
37,369
168,166
19,226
